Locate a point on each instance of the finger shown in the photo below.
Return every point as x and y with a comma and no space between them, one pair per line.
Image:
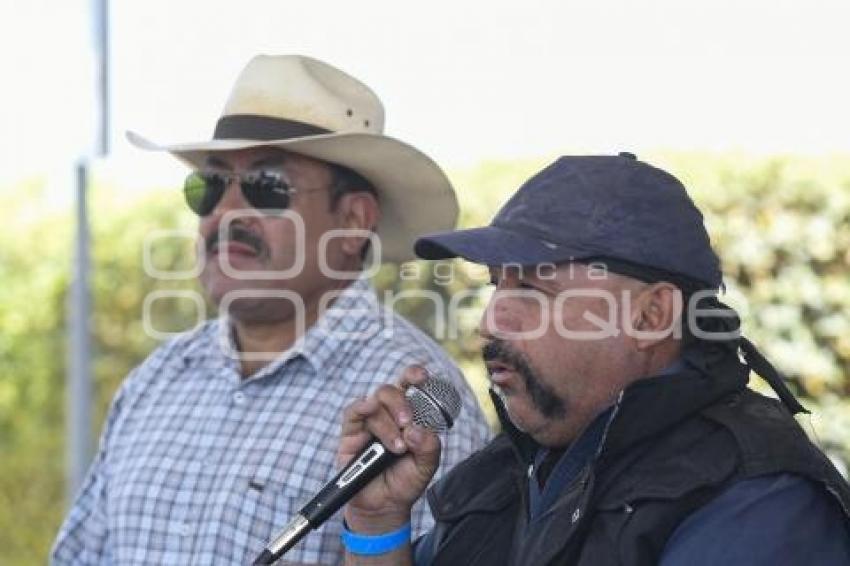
372,416
424,445
393,400
351,445
356,414
383,426
413,375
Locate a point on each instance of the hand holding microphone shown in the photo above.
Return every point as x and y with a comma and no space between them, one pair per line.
390,452
384,505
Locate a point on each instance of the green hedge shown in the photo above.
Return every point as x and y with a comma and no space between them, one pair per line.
781,225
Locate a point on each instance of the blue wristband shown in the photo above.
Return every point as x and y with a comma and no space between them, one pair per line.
366,545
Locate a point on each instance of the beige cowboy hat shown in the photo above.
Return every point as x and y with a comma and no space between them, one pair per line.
308,107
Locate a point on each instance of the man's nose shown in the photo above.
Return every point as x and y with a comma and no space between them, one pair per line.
232,198
498,318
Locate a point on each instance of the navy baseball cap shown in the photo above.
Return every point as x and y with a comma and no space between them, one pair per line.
587,208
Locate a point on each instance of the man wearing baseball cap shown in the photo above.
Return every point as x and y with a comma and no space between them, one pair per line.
630,436
215,441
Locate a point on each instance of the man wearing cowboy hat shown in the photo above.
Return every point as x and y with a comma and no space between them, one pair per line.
215,441
630,435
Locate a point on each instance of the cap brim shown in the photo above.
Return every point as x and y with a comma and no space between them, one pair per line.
492,245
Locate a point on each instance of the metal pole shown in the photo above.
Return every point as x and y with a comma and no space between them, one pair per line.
79,397
79,382
101,42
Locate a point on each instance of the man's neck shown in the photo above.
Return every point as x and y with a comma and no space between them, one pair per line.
261,341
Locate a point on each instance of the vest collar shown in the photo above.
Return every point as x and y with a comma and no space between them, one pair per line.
651,405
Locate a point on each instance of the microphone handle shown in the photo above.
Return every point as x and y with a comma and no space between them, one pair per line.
371,461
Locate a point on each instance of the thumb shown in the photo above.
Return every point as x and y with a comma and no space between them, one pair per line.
424,446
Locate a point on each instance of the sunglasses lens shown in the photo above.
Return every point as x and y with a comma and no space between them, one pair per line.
203,191
266,191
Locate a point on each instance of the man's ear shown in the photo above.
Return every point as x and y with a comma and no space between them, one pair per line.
656,312
358,211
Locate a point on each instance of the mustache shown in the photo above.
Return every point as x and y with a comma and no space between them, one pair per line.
497,350
542,395
237,233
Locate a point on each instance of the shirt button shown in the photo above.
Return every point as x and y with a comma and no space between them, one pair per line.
239,398
185,529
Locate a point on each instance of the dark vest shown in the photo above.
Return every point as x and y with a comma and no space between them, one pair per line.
673,443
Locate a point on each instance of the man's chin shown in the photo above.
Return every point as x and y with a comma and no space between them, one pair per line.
219,286
517,423
514,407
242,300
259,311
527,417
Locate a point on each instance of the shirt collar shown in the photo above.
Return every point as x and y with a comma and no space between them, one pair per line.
354,315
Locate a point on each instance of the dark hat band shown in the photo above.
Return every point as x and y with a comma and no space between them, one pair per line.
263,128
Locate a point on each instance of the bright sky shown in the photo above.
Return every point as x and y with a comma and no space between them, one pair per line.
462,80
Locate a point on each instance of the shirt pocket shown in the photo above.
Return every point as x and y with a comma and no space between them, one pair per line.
265,499
262,505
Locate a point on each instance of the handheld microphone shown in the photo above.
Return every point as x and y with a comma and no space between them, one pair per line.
435,403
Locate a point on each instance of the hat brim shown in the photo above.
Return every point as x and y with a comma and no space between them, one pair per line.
491,245
416,196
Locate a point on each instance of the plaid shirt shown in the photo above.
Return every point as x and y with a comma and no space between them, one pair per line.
197,465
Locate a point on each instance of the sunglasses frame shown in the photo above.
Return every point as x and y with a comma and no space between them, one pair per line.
204,189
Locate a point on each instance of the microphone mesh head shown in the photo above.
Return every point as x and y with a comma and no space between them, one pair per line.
435,403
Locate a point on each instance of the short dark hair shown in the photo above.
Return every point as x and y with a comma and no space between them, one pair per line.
710,323
344,181
724,321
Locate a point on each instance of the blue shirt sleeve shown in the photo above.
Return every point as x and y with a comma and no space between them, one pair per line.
775,519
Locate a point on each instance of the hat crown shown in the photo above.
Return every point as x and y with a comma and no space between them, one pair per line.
305,106
617,207
302,89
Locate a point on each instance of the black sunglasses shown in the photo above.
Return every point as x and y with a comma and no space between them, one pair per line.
262,189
